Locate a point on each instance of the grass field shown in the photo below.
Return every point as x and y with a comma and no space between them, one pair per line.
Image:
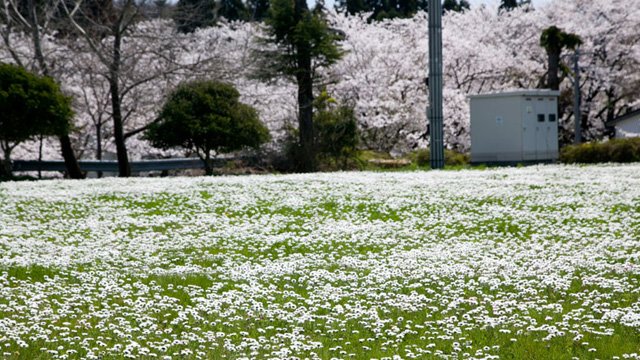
521,263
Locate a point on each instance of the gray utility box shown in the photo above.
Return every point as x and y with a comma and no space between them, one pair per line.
517,126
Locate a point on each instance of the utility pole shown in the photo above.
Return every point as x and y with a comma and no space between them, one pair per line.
435,85
577,114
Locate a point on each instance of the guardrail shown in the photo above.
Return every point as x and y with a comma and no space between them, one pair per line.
112,165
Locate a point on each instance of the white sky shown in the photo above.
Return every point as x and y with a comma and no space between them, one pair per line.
476,2
473,2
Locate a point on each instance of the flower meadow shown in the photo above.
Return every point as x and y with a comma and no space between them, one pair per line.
539,262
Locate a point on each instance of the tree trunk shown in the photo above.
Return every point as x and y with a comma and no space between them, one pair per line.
307,161
305,123
208,169
99,144
5,164
70,160
5,169
553,81
124,170
40,158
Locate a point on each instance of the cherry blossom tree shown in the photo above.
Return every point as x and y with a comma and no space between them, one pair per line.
383,71
32,22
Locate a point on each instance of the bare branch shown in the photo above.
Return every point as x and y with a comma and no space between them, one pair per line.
90,41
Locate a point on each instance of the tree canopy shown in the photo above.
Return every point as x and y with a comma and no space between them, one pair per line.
207,116
381,72
30,105
336,130
384,9
455,5
512,4
554,40
190,15
299,32
304,43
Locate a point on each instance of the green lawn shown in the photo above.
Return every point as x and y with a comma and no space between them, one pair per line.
518,263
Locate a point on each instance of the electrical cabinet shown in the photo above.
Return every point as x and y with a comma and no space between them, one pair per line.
516,126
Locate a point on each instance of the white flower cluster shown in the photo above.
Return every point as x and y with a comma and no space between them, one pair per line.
469,264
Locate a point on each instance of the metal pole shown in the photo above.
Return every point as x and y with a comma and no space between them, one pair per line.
577,115
435,85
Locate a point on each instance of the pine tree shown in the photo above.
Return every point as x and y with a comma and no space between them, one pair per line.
192,14
354,6
508,4
454,5
385,9
231,10
304,44
258,9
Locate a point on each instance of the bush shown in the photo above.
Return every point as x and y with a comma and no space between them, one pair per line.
615,150
336,133
422,157
454,158
335,136
30,106
206,117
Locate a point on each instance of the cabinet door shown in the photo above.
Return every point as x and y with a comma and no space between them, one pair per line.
552,129
541,129
529,123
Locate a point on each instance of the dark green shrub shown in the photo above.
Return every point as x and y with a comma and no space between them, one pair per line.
615,150
30,106
625,150
207,116
422,157
335,136
292,151
335,131
454,158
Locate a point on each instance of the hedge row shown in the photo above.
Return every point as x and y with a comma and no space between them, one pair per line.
615,150
422,157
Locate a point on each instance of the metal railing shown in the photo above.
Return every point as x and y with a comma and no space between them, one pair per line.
112,165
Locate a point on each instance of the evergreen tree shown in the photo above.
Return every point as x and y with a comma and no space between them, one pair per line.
258,9
31,106
159,9
423,5
38,19
207,117
388,9
554,40
353,7
406,8
512,4
304,44
192,14
231,10
336,131
454,5
508,4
